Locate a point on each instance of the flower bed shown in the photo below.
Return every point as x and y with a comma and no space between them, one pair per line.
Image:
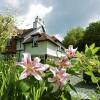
32,80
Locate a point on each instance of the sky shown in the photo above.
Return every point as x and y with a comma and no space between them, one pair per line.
59,16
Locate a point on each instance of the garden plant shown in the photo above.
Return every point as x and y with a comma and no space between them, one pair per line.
32,80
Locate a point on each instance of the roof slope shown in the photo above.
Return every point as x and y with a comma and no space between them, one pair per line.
42,37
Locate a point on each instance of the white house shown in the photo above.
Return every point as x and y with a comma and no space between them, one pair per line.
37,42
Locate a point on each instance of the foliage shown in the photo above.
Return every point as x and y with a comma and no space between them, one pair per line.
7,30
90,63
79,37
29,88
7,79
73,37
11,88
92,34
51,62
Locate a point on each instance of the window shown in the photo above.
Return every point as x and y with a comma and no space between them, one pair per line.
35,42
20,43
59,48
9,43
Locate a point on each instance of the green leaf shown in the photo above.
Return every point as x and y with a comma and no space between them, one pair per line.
89,73
92,46
88,53
94,79
78,54
62,97
86,48
22,86
95,50
98,70
90,68
67,95
72,87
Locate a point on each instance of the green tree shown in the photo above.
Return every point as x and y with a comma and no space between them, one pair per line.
7,30
92,34
73,37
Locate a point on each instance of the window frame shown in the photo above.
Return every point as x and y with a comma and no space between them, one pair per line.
34,41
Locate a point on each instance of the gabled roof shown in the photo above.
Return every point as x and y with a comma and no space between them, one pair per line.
23,32
42,37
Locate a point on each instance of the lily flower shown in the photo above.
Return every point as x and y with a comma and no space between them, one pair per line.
34,68
64,62
60,77
70,51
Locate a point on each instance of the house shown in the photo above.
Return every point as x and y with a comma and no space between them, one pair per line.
37,42
10,49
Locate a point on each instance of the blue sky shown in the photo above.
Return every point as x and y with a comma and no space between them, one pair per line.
59,15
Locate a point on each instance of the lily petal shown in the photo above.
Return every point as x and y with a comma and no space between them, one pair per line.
37,59
54,70
70,48
24,75
27,58
50,80
43,67
21,64
36,75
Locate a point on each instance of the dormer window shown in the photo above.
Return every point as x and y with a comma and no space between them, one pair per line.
35,42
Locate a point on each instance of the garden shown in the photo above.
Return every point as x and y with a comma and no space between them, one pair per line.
53,80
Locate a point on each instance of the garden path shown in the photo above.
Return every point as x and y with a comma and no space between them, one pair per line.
84,88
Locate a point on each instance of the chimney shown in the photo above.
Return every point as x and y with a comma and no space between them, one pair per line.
35,23
38,23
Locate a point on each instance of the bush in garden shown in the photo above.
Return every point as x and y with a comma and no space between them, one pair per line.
7,30
90,64
7,79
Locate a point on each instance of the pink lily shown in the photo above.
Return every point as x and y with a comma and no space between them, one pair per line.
64,62
34,68
60,77
70,51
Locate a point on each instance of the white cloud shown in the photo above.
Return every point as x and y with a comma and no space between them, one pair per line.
59,36
94,18
13,3
26,21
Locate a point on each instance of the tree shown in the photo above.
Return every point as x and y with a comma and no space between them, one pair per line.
7,30
92,34
73,37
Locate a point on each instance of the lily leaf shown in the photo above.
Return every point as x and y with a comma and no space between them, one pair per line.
98,70
92,46
67,95
89,73
95,50
72,87
90,68
94,79
22,86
